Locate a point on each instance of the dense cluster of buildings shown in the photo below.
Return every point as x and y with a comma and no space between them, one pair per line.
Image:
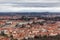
20,29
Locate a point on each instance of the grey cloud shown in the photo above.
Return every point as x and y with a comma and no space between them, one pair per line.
31,3
27,1
38,5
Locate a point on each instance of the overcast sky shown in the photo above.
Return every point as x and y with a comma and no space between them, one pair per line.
29,5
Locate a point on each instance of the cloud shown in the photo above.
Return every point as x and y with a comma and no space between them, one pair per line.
28,9
29,5
29,0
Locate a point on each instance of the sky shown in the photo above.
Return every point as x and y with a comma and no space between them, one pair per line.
29,5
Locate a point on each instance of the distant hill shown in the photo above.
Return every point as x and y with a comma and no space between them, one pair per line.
28,13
